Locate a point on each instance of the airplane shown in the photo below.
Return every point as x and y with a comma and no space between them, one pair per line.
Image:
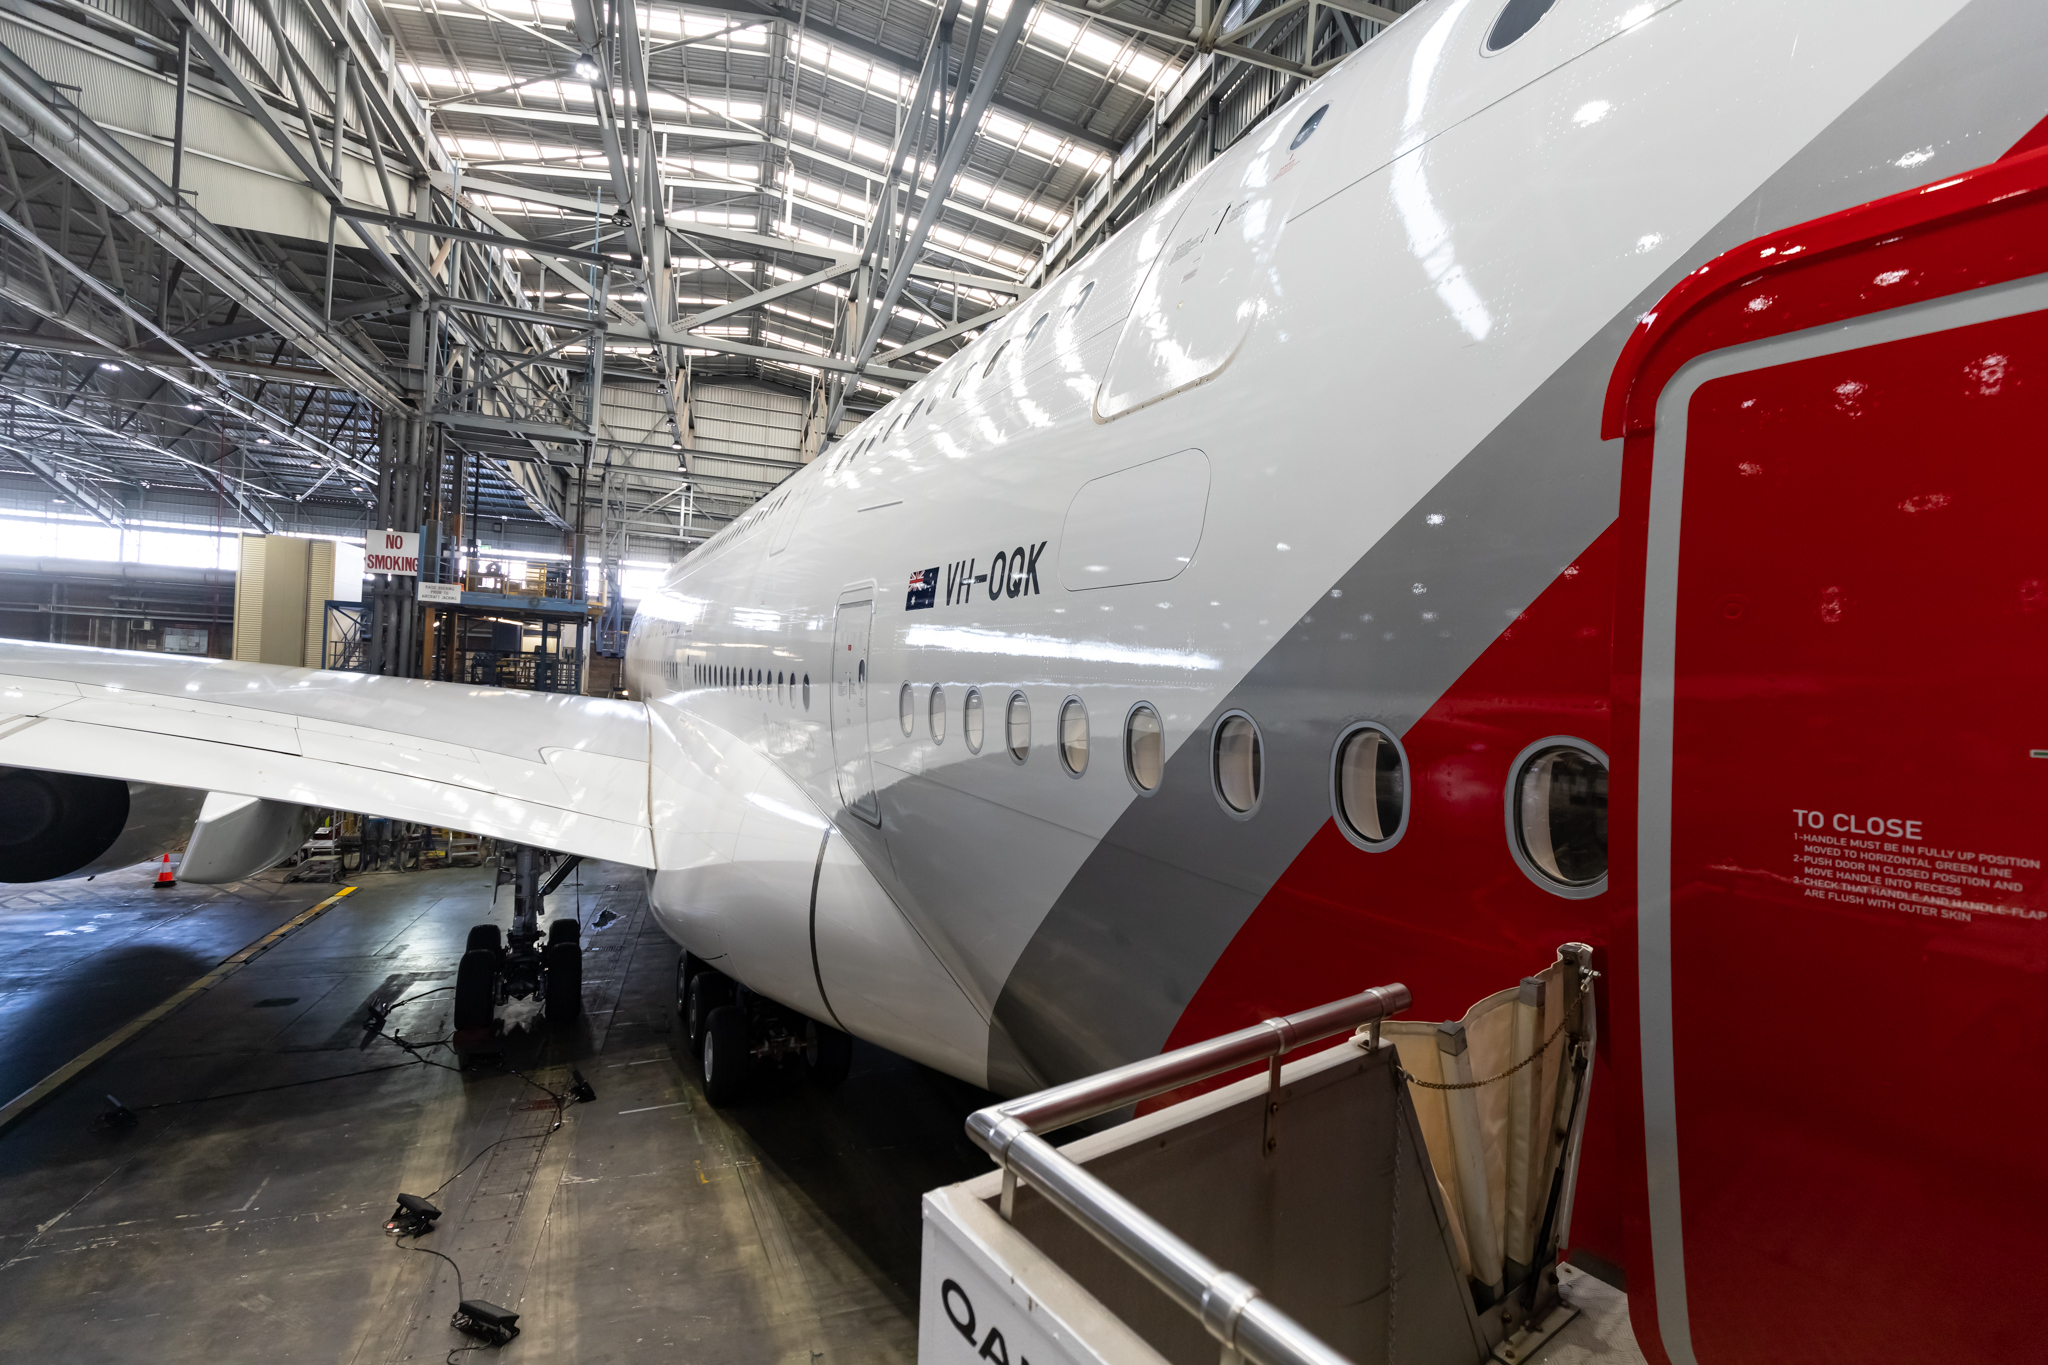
1291,596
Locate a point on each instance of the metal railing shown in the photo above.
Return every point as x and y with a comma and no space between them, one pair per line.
1227,1305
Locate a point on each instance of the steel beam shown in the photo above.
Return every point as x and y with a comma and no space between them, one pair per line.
59,132
966,126
84,494
917,344
229,488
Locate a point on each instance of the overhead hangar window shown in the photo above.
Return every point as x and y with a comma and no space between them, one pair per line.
1074,736
1144,748
1370,786
1516,18
1557,816
1017,727
971,720
935,715
906,709
1237,762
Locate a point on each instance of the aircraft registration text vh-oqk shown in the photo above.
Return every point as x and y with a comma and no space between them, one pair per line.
1573,474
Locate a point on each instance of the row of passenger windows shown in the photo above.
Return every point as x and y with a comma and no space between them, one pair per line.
1557,797
904,419
784,685
1557,805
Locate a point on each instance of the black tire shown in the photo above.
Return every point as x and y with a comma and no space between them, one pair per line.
564,931
563,983
706,992
727,1061
828,1054
485,936
476,1000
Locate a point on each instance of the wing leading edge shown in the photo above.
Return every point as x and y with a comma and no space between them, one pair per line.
558,772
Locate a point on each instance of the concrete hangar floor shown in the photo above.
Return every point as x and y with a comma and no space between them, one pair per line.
241,1217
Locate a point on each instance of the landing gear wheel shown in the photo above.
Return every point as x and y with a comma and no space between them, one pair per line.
476,999
563,982
564,931
485,936
706,992
828,1054
726,1055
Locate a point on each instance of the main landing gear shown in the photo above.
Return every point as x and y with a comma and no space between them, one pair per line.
521,977
738,1034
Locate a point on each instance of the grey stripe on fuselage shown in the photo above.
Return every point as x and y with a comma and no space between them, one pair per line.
1133,935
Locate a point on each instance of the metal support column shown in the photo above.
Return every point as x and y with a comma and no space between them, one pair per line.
404,489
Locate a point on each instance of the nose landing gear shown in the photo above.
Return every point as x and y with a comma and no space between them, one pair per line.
523,978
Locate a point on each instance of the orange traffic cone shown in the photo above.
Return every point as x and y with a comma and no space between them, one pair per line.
164,879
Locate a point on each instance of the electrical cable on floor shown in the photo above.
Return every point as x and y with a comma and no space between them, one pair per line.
286,1085
516,1137
460,1293
421,996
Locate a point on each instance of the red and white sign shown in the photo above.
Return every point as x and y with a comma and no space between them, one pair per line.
392,552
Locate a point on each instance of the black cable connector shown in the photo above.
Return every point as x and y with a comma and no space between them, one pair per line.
414,1217
485,1321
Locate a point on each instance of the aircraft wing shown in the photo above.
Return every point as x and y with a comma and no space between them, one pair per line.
558,772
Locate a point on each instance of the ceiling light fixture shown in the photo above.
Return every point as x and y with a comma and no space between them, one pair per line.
586,69
110,365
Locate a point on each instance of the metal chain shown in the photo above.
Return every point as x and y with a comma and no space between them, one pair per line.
1474,1085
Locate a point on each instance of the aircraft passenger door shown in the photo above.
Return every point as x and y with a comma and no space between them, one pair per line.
1839,848
851,632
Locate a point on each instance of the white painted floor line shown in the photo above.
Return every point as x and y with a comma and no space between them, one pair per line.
679,1104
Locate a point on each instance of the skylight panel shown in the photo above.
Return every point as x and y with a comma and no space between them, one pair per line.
1098,48
1053,29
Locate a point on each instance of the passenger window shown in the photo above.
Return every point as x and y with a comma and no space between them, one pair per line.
1078,303
935,715
1308,128
1017,727
990,368
1073,735
1036,328
1371,786
1237,762
807,691
1557,816
1516,18
1144,748
906,709
970,720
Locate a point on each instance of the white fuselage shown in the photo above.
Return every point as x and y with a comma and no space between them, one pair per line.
1276,375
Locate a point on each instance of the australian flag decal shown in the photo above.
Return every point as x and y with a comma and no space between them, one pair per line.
924,587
